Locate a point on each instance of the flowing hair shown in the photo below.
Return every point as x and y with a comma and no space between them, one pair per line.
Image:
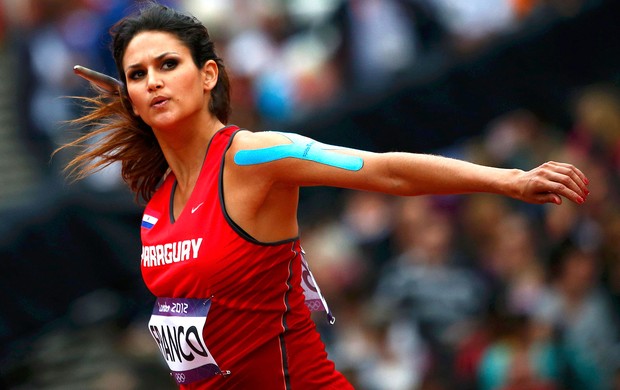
113,132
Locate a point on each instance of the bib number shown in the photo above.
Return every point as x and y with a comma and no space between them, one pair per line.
177,325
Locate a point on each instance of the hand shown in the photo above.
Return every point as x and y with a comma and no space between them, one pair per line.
551,181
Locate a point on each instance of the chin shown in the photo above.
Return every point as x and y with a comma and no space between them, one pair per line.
163,122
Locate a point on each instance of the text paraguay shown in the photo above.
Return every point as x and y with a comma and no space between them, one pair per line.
173,252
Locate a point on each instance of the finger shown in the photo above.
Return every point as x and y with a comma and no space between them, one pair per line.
550,183
554,198
567,175
548,197
559,189
575,173
570,182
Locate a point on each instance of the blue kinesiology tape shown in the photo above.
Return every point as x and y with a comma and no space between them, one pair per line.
303,148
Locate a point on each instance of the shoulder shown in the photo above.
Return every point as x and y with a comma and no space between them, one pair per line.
258,153
245,139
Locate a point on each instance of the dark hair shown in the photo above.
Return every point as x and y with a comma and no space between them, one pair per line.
190,31
118,135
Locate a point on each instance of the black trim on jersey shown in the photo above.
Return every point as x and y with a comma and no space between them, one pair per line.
171,201
289,288
174,185
245,235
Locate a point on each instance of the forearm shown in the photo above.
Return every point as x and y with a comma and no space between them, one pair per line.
421,174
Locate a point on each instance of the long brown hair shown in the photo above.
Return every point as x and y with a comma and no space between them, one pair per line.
114,134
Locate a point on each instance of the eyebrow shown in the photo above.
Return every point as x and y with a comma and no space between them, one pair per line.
158,58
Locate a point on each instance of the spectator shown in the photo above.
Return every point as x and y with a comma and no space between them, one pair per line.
428,285
574,306
519,358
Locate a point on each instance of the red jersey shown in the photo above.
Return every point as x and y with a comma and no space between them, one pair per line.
258,326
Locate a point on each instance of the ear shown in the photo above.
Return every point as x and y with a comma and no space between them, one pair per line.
210,74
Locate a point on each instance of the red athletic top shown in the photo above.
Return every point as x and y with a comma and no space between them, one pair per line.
258,326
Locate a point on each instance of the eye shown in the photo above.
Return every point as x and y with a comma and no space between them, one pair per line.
136,74
169,64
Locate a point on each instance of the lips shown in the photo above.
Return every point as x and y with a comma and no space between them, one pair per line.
159,101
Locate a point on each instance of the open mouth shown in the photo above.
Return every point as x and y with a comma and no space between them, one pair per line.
159,102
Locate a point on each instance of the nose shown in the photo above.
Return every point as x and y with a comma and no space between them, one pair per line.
154,82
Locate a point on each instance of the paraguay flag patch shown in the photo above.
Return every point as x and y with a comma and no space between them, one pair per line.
149,219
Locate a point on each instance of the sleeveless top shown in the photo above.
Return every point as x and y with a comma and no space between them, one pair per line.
258,326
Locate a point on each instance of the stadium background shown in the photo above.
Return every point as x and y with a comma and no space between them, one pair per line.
429,292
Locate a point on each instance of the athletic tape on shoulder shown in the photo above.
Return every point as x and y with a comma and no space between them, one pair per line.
302,148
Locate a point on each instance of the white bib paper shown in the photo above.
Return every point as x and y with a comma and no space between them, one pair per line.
176,325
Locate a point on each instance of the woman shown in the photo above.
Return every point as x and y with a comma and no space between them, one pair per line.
219,232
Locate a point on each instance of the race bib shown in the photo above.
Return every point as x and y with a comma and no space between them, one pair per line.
312,292
176,325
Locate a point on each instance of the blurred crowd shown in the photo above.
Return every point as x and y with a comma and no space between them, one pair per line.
478,291
452,292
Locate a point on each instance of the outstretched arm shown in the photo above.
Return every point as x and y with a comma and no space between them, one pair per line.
300,161
416,174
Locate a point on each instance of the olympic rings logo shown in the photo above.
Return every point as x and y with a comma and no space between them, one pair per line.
180,377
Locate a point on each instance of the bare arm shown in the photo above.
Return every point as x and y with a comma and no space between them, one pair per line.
418,174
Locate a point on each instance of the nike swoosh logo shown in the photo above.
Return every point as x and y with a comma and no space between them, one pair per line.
196,208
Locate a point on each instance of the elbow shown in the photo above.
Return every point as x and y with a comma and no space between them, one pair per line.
395,184
394,180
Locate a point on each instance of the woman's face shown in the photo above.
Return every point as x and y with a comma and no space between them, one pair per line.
165,87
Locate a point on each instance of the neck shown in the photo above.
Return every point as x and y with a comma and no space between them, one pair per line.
185,150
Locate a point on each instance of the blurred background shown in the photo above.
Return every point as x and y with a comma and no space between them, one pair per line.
454,292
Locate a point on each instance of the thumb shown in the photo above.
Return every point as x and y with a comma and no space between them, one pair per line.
551,197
